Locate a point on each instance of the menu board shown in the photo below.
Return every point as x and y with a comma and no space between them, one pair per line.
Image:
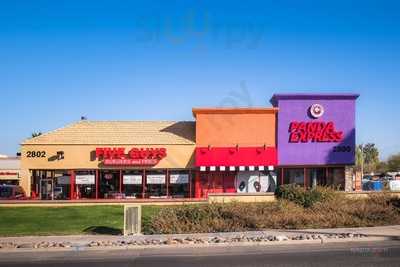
85,179
155,179
132,179
179,178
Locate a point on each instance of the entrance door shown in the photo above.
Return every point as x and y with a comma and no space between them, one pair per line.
46,189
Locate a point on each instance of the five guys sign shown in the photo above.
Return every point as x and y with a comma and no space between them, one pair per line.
136,156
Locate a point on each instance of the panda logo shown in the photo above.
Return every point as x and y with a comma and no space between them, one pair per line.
317,110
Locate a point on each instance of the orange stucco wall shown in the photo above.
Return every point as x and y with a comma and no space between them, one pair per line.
231,128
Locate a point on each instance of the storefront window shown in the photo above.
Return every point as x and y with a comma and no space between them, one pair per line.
62,185
156,184
109,184
179,184
336,177
132,183
256,182
333,177
85,184
293,176
316,177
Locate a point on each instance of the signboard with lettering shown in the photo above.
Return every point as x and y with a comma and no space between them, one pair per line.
85,179
132,179
155,179
179,178
135,156
316,129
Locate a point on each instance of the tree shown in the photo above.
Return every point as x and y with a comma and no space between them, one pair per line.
393,163
36,134
367,157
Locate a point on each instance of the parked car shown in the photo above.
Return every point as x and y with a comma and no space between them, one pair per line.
12,192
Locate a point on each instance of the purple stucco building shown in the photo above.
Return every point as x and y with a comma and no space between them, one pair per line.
315,136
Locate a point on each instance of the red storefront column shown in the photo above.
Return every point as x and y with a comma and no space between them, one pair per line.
97,184
190,183
120,181
144,183
167,181
72,185
197,187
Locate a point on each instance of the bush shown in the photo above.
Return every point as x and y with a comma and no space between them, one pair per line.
320,209
305,197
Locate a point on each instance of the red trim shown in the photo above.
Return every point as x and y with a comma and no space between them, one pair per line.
72,188
97,184
120,181
236,156
167,182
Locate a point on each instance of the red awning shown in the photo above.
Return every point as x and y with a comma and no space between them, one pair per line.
236,156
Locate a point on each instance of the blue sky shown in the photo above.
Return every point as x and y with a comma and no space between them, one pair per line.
155,60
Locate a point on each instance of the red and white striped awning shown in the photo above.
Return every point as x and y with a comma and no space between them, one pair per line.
236,168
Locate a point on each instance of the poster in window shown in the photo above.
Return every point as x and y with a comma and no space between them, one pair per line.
179,178
155,179
84,179
132,179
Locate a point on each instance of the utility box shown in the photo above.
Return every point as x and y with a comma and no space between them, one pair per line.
132,219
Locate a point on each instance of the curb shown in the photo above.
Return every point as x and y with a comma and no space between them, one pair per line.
208,245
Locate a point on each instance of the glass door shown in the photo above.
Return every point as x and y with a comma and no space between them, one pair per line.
46,189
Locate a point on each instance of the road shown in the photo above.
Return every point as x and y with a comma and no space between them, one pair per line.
341,254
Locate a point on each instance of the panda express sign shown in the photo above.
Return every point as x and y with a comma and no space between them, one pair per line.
314,132
135,156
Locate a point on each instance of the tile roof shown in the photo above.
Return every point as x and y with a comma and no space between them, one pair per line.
120,133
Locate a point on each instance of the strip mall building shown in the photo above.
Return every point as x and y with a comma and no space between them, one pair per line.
306,139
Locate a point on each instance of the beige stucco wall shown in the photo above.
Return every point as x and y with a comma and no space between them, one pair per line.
82,157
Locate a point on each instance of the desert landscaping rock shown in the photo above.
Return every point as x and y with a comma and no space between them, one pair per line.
143,241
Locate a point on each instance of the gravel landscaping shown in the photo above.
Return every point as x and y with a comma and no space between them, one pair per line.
144,241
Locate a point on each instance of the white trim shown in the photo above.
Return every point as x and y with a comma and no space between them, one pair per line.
232,168
203,168
242,168
212,168
251,168
270,168
261,168
222,168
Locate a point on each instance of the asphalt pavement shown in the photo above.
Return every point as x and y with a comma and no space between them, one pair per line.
386,253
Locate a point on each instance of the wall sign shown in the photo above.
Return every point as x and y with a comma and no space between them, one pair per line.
136,156
155,179
316,111
132,179
179,178
84,179
305,132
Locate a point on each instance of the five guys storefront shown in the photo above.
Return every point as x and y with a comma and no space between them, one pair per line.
304,139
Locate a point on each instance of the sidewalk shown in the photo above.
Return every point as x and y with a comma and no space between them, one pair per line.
381,233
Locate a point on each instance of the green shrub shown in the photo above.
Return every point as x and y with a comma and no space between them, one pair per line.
319,208
305,197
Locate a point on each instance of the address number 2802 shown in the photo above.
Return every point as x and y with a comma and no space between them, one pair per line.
36,154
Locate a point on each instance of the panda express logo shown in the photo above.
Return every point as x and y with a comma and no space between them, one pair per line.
316,111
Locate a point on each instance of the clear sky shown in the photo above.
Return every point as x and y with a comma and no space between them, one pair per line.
155,60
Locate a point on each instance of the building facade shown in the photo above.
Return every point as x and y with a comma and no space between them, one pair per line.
316,138
304,139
